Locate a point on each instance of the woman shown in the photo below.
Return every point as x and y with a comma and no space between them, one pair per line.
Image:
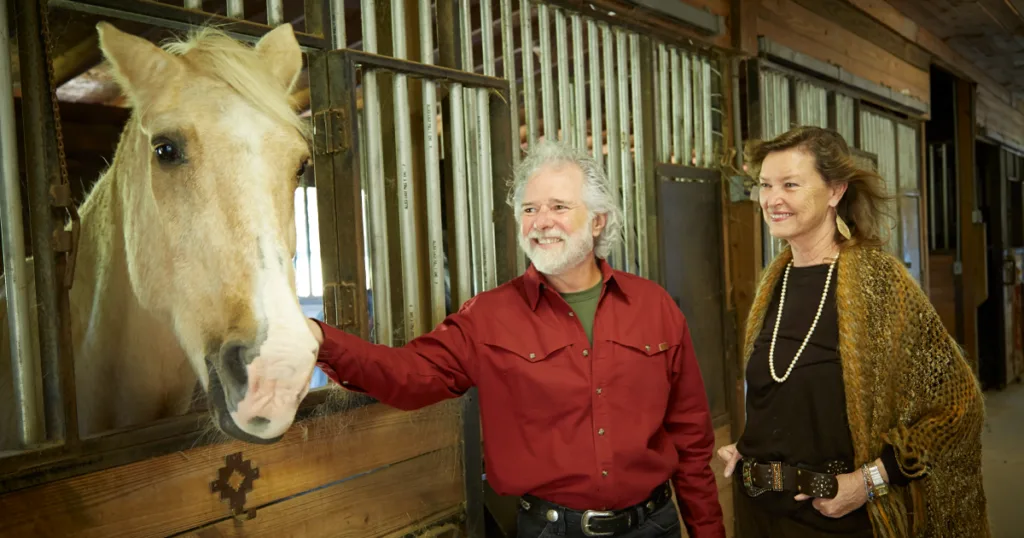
863,417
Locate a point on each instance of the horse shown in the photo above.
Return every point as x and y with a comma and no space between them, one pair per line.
184,274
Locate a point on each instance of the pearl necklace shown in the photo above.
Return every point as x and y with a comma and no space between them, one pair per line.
778,318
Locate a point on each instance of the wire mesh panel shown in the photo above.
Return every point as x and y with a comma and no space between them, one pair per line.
811,104
845,117
878,136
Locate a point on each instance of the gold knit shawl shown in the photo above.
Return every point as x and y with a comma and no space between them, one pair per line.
907,384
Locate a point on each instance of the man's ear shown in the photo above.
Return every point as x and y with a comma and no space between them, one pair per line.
600,220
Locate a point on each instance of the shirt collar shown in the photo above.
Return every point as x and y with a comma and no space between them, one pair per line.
535,282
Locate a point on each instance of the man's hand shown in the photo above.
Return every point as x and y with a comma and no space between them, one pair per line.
730,456
318,333
850,497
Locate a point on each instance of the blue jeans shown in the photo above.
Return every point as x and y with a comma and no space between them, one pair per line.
662,523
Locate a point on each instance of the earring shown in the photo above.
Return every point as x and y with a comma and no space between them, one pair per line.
844,230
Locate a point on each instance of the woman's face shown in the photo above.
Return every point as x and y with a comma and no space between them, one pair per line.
795,200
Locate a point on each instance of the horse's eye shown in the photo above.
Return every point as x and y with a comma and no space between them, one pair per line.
302,168
167,152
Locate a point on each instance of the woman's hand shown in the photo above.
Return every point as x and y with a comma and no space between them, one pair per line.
851,496
730,456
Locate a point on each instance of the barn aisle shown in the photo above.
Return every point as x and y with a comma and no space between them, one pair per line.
1003,460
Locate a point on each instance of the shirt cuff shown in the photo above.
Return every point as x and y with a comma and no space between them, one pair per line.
896,476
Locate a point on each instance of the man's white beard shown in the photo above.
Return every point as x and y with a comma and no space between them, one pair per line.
572,251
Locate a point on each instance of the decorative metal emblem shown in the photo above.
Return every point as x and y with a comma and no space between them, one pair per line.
234,482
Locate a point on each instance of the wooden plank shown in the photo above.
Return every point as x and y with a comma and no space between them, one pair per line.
888,15
795,27
171,494
856,21
745,255
942,289
404,496
999,117
718,7
972,235
744,26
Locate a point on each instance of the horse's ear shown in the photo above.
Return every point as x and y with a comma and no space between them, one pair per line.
280,51
138,64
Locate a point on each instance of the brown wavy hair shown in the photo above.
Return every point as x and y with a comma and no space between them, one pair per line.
865,206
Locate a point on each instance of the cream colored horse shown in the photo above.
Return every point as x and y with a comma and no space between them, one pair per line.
184,267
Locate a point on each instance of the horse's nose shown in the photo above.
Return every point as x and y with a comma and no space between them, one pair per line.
234,374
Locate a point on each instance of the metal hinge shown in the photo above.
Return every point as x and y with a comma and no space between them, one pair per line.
331,129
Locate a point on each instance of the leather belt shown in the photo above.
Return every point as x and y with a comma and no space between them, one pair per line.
759,477
598,522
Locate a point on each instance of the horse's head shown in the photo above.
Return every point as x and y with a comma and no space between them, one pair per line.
209,165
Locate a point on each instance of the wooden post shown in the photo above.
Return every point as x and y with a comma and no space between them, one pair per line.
974,276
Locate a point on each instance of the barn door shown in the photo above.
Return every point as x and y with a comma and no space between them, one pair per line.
689,215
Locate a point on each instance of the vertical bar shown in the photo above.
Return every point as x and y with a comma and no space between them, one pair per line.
546,80
25,369
626,185
931,198
375,192
472,154
564,97
647,224
579,81
508,61
275,12
699,106
42,173
435,239
485,191
194,4
677,107
487,36
596,119
339,37
689,98
665,135
709,150
407,207
529,84
614,168
236,9
463,281
639,156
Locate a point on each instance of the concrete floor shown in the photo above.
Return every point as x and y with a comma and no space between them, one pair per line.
1003,460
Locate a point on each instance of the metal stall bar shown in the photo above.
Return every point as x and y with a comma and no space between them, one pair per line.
624,150
699,105
463,277
529,84
340,38
407,211
435,236
709,144
689,95
665,125
596,119
194,4
933,216
614,167
486,190
508,62
275,12
375,188
949,236
676,74
564,95
546,80
579,81
472,150
25,369
639,162
236,9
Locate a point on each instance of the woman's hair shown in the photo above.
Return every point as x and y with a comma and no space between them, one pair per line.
864,206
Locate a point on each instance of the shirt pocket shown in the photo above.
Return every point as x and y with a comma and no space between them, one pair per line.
537,376
644,363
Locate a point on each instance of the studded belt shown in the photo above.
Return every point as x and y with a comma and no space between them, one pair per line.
597,522
759,477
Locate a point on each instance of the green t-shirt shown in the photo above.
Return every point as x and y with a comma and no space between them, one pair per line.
584,304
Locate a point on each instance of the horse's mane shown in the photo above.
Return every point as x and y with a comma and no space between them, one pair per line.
221,57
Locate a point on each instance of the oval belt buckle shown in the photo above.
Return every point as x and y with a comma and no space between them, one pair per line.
587,516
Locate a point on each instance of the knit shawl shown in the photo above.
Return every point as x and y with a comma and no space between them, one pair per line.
907,384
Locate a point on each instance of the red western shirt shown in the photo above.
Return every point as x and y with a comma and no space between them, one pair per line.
585,427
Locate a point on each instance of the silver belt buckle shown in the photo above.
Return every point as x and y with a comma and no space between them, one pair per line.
587,516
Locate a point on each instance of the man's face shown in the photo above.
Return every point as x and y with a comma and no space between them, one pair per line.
557,231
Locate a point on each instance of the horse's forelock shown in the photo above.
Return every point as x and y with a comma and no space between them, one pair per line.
223,58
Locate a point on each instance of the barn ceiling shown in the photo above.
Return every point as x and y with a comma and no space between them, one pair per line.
988,33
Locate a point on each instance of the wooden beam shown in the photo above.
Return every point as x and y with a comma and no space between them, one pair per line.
171,494
974,276
744,26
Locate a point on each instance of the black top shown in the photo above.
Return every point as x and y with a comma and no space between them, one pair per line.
801,421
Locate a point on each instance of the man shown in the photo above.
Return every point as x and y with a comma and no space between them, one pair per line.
591,399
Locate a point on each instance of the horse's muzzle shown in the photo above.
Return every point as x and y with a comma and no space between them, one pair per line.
219,407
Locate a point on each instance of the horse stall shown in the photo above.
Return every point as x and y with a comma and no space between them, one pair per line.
128,305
